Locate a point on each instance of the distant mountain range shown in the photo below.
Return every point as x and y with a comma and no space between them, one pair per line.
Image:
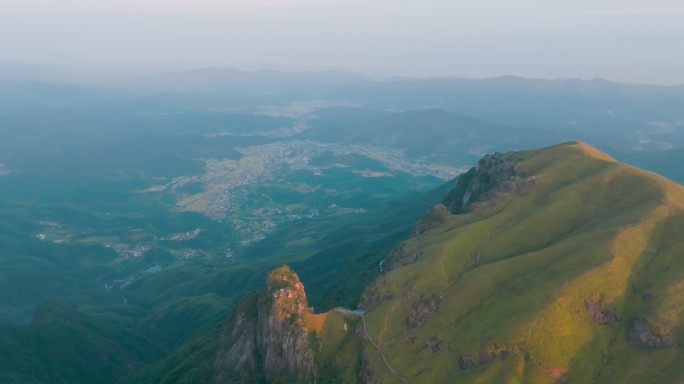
621,116
233,81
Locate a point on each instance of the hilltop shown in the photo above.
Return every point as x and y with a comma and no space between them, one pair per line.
554,265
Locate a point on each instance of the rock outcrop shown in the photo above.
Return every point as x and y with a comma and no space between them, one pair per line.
398,257
645,335
267,337
599,315
496,173
433,219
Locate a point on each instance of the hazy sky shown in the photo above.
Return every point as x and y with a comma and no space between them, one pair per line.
625,40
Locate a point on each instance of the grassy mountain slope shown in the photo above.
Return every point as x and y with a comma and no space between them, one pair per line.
575,275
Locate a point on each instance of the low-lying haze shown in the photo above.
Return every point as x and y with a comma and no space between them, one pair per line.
622,40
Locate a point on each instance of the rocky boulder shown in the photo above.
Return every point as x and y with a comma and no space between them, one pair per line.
645,335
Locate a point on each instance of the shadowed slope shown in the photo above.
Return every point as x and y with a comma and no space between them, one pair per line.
65,346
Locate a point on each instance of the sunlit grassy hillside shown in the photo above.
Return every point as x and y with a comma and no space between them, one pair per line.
578,278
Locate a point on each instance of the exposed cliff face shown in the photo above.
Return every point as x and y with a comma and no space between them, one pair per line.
283,335
267,338
494,174
237,356
497,173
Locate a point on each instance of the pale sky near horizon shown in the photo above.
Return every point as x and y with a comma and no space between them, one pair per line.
623,40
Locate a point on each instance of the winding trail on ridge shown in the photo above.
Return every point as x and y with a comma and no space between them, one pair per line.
360,314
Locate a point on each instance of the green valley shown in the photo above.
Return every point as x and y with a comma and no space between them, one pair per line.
138,222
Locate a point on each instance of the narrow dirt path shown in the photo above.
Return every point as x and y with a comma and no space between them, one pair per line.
365,331
445,275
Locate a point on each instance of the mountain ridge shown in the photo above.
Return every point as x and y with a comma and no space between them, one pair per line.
477,251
